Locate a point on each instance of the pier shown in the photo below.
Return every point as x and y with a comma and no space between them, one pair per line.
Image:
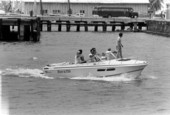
159,27
135,24
19,28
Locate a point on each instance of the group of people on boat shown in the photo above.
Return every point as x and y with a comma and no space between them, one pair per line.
96,57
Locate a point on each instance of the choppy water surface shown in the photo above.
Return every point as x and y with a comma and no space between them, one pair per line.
26,91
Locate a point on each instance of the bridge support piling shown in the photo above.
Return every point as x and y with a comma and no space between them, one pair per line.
131,26
32,30
1,29
48,26
104,27
86,27
19,29
27,32
113,28
122,27
68,26
18,25
78,27
140,27
59,26
95,27
135,27
41,26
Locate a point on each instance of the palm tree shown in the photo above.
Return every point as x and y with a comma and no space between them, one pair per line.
155,5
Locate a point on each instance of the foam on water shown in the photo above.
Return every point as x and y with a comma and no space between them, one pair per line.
37,73
147,77
152,77
22,72
0,72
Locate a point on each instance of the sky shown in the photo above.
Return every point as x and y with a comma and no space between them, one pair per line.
167,1
131,1
98,1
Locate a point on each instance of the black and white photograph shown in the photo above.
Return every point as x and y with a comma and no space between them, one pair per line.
84,57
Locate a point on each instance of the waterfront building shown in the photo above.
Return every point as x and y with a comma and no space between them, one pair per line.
54,7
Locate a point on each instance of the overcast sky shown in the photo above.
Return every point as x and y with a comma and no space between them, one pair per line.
166,1
98,1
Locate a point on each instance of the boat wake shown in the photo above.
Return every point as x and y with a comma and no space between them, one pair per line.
123,77
118,78
147,77
26,73
37,73
152,77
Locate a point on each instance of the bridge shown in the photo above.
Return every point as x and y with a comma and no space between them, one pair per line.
26,28
133,23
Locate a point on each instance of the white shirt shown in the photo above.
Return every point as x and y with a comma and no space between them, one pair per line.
110,55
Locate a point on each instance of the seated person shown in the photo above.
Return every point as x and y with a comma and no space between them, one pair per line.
94,57
79,58
91,58
103,56
110,55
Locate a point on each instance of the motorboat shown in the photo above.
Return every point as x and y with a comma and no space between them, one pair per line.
103,68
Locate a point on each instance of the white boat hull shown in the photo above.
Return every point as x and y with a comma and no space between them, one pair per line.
99,69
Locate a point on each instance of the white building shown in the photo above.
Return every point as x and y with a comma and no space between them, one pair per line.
82,6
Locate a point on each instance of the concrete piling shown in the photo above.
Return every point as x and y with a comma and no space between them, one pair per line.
68,26
85,27
135,27
59,26
1,29
18,26
113,28
122,27
27,33
41,26
48,26
19,29
104,27
78,26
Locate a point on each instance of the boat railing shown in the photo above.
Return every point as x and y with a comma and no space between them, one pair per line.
59,64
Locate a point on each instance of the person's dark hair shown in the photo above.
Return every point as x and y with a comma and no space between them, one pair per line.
93,50
80,51
120,34
109,49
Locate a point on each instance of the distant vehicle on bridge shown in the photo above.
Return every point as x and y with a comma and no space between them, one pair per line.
79,15
108,12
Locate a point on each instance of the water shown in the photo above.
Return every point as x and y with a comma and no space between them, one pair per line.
26,91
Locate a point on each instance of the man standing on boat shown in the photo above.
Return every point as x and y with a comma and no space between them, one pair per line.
119,46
